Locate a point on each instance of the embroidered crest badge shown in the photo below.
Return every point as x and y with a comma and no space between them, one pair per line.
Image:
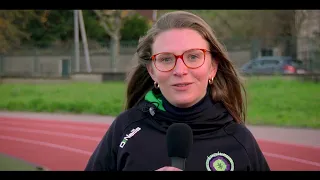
219,162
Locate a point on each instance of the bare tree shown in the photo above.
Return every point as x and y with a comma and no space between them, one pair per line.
300,17
271,28
112,22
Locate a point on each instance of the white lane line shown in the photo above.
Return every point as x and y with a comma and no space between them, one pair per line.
52,133
291,159
89,153
56,125
56,119
56,146
98,139
289,144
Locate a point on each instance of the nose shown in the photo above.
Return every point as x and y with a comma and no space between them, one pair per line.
181,68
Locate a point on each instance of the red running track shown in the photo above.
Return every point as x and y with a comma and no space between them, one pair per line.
67,145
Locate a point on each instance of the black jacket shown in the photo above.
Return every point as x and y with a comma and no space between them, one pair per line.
136,140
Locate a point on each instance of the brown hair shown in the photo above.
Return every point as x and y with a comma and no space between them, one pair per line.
226,86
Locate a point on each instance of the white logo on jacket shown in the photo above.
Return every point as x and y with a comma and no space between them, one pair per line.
128,136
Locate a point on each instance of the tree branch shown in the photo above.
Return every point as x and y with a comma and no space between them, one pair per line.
103,23
300,17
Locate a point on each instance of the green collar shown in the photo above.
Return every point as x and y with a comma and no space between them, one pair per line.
156,100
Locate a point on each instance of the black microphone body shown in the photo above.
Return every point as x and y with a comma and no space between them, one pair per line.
179,141
178,162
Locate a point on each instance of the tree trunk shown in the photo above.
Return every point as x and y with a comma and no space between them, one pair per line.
115,51
115,42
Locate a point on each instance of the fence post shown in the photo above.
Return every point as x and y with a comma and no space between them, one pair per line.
35,67
1,64
255,48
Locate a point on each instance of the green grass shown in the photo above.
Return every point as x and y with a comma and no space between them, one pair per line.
106,99
271,101
8,163
283,102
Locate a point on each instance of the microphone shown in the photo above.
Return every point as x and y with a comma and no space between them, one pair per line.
179,140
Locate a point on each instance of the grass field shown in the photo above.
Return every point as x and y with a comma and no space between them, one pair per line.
271,101
283,102
8,163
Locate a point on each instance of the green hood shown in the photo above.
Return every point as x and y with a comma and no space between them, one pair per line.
151,97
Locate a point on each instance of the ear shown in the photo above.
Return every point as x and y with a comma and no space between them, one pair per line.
213,69
151,71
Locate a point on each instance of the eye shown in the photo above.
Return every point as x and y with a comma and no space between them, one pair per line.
166,59
192,56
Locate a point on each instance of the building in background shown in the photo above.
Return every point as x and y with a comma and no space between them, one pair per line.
308,43
150,14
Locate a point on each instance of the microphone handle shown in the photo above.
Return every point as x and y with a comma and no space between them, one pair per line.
178,162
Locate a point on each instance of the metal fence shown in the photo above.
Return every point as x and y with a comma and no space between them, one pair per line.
59,61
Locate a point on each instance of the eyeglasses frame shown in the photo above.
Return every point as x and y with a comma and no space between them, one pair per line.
153,58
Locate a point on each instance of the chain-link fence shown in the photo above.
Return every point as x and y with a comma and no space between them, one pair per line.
59,60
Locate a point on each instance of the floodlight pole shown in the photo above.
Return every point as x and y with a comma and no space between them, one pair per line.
84,41
76,41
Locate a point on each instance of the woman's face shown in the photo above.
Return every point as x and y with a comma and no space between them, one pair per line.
182,86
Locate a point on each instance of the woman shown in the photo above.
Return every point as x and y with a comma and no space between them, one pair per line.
184,75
